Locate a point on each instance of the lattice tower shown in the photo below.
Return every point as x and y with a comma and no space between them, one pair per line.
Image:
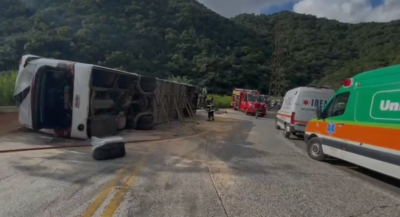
278,56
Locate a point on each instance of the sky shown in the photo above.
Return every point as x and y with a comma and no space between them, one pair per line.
349,11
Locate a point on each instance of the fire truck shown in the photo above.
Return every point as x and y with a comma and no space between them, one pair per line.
248,101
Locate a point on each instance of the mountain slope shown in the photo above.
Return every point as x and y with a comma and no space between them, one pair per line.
323,51
184,38
157,37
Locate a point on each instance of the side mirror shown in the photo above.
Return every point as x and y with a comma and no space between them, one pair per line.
318,113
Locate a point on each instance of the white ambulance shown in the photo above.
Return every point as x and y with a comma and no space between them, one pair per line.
299,106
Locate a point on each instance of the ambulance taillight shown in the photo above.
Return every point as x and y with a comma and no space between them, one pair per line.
292,118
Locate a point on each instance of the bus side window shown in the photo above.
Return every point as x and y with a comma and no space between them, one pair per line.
338,106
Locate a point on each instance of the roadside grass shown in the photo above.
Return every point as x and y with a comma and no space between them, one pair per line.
222,101
7,84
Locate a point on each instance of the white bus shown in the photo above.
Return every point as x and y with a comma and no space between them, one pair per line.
79,100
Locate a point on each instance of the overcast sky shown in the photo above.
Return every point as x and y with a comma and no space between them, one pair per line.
351,11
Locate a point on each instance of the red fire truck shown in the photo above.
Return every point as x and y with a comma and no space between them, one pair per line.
248,101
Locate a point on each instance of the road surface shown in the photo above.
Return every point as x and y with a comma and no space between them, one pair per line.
235,166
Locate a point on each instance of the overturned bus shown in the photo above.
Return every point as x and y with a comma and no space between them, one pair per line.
79,100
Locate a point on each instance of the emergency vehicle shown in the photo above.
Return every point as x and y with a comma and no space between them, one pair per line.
361,123
248,101
299,106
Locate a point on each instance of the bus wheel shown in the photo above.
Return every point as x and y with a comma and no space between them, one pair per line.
147,85
100,154
118,152
276,124
286,133
314,149
145,122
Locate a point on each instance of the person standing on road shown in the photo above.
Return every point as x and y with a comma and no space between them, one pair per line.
210,109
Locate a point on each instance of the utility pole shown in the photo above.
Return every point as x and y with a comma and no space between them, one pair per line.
279,52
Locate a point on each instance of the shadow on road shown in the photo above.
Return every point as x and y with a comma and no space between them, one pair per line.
366,174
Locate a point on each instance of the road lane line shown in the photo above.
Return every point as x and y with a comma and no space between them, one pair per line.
94,206
120,195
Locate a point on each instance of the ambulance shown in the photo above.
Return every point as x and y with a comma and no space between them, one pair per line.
299,106
361,123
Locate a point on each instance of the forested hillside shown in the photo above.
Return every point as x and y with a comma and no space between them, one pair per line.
326,52
184,38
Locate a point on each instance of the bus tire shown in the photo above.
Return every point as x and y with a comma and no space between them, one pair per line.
286,133
145,122
314,149
122,151
276,124
100,154
147,85
118,152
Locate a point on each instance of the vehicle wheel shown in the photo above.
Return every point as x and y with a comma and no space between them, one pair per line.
299,135
314,149
286,133
276,124
123,151
143,103
100,154
118,152
147,85
145,122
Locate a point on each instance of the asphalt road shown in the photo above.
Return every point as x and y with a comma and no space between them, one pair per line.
241,166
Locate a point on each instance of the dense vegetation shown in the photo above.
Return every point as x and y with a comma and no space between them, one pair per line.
183,38
7,83
325,52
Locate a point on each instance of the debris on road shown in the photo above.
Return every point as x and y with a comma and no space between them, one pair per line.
221,111
108,148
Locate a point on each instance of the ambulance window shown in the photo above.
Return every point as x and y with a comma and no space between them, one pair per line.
338,107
